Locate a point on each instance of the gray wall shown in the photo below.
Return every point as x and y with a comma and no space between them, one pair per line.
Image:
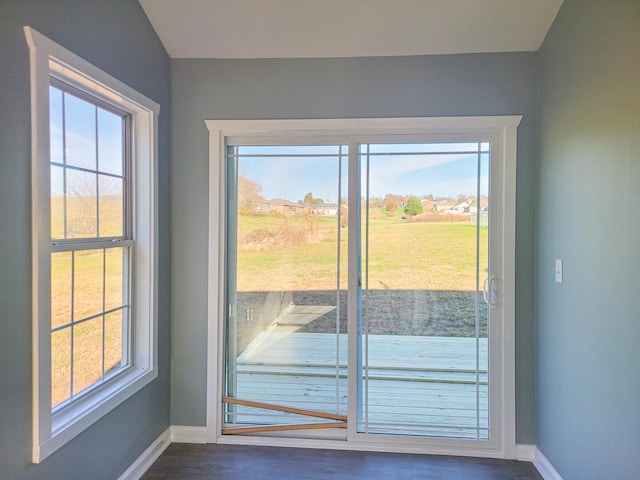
588,328
490,84
115,36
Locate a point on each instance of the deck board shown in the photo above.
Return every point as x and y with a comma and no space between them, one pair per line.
415,384
394,351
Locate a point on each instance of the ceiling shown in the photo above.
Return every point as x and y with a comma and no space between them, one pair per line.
347,28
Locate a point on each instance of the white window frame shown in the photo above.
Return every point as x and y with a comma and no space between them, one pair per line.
503,131
49,60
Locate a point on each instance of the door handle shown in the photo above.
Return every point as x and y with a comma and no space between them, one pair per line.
485,294
489,290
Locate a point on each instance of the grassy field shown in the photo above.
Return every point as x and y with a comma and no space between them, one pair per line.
82,217
401,256
95,277
90,338
87,354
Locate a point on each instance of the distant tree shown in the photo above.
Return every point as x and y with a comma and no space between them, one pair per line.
82,202
397,199
248,194
376,202
413,206
82,220
392,202
308,198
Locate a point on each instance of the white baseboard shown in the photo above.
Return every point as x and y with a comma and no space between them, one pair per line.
150,455
544,467
183,434
525,453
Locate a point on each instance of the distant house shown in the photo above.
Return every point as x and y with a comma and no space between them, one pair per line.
287,207
484,205
462,207
445,206
325,208
261,206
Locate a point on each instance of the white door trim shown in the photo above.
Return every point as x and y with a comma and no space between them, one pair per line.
505,128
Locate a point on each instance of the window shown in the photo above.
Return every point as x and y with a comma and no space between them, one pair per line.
91,244
94,243
361,283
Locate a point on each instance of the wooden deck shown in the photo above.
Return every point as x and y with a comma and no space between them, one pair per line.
413,385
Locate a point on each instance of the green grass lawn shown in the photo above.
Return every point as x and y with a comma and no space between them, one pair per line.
401,255
95,276
98,287
82,218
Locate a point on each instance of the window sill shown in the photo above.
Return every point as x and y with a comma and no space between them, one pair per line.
75,418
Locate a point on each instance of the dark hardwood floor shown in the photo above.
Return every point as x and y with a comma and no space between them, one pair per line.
204,462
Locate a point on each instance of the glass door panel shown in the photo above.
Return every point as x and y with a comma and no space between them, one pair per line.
424,322
286,288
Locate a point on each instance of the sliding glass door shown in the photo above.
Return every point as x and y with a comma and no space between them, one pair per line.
286,284
365,283
424,321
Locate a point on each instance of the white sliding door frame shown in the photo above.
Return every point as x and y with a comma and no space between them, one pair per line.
501,131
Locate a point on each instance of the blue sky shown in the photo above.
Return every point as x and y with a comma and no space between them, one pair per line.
399,171
91,137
